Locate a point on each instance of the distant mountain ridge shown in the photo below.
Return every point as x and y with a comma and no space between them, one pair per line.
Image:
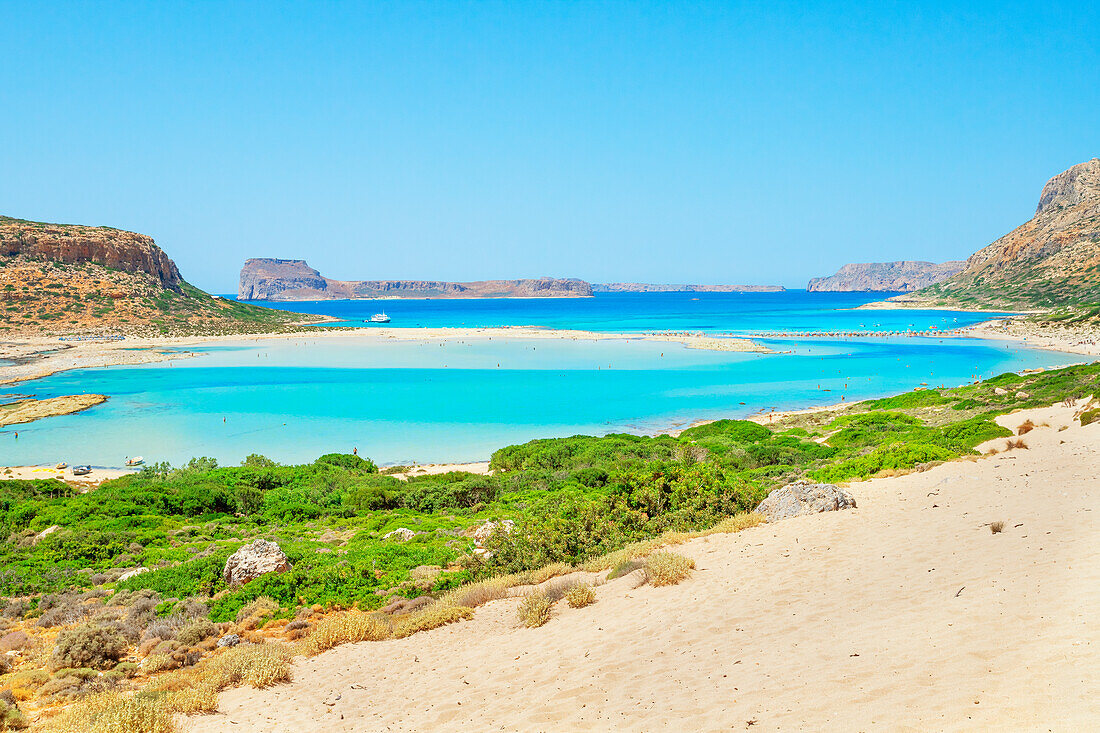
1051,260
658,288
902,276
266,278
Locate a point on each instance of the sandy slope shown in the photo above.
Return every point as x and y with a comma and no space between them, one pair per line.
904,614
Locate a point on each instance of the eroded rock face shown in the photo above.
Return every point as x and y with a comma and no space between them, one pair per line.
794,500
73,244
253,560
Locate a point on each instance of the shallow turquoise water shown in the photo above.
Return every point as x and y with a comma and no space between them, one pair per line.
404,401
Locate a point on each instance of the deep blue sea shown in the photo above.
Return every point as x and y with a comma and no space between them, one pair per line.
458,400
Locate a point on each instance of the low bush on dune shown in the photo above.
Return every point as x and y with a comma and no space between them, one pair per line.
535,609
667,568
580,595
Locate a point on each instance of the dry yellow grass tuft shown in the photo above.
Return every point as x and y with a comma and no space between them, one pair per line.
667,568
258,665
535,609
996,527
197,698
1025,427
115,712
438,614
344,628
737,523
251,615
475,594
580,596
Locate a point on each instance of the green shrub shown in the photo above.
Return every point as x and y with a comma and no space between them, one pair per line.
195,632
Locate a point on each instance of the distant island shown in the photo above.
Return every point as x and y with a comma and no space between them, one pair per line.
657,288
274,279
266,278
898,277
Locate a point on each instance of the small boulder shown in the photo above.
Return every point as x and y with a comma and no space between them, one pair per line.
1021,395
486,530
794,500
229,640
132,573
253,560
401,534
1000,391
44,534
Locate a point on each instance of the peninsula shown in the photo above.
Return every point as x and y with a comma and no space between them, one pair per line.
275,279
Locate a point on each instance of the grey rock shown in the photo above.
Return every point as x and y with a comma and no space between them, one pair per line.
229,640
253,560
794,500
401,534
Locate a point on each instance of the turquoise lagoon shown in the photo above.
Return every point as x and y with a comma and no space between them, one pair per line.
432,401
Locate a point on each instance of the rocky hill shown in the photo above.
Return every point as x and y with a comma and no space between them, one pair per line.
62,279
285,280
903,276
1050,261
657,288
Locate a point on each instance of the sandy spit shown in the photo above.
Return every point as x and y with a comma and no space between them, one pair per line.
37,357
29,410
905,614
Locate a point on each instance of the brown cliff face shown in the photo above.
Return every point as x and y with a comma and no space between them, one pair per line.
73,244
275,279
1051,260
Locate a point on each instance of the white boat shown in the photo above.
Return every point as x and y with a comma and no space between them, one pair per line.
380,318
135,461
61,466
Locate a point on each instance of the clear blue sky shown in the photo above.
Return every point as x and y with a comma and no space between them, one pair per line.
682,142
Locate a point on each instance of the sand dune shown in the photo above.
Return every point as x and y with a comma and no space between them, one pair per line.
907,613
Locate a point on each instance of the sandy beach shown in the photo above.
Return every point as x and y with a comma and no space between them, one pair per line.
907,613
37,357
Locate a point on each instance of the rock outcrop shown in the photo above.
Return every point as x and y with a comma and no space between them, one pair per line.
666,288
73,244
275,279
794,500
253,560
1051,260
898,277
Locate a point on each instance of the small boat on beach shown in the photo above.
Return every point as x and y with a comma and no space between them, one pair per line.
61,466
81,470
380,318
135,461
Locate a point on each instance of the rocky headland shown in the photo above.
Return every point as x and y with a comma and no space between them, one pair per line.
278,279
1051,261
66,279
903,276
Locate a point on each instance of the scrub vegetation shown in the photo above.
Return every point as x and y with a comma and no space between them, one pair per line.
375,557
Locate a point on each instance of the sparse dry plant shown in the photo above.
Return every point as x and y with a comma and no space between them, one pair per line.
535,609
1025,427
580,595
88,646
667,568
1014,444
996,527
